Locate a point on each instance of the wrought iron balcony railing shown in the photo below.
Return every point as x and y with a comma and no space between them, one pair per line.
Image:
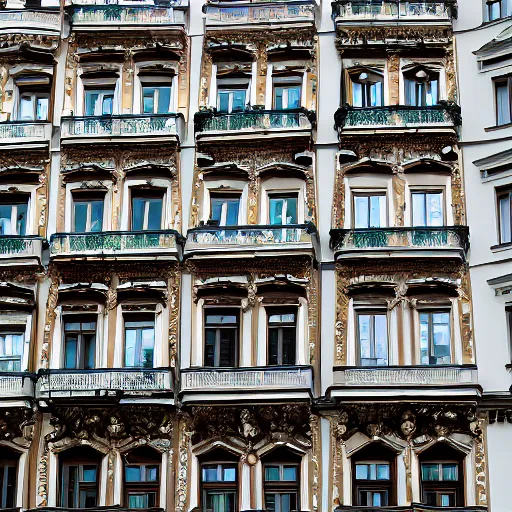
447,238
116,243
254,120
14,246
243,238
30,18
16,384
268,378
396,376
224,13
121,125
394,10
96,16
21,131
98,382
437,116
414,507
111,508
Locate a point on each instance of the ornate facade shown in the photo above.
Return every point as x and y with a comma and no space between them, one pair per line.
235,256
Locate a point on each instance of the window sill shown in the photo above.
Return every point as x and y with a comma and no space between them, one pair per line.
501,247
498,127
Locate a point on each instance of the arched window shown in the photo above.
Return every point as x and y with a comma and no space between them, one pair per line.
421,87
8,470
142,478
79,477
442,477
219,481
367,87
374,477
281,480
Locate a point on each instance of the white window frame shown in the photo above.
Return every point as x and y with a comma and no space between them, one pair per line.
34,98
14,216
89,214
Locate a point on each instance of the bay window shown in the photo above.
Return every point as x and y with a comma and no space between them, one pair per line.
222,334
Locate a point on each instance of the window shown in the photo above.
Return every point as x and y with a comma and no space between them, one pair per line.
372,334
287,92
370,210
369,476
88,212
505,216
497,9
139,341
282,336
503,91
283,209
99,102
147,210
427,209
435,337
219,487
224,209
33,106
11,350
421,87
13,218
281,487
79,342
367,88
8,470
156,99
231,100
221,337
142,478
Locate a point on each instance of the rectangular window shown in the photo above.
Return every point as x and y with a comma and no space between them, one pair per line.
281,487
99,102
88,212
79,485
147,210
372,333
367,89
282,337
33,107
370,211
79,342
427,209
231,100
283,209
224,209
503,92
497,9
218,483
435,337
7,484
372,483
11,350
421,88
440,482
221,337
141,485
505,216
156,99
286,96
13,218
139,341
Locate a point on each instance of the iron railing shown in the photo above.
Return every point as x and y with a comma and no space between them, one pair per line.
16,384
28,17
414,507
38,130
446,114
121,125
14,245
116,14
110,508
247,120
112,242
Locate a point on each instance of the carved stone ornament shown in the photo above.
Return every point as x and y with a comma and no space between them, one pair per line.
17,426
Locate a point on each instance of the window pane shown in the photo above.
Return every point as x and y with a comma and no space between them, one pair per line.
223,102
70,492
148,341
238,100
96,216
217,209
434,210
290,473
381,339
80,217
357,94
151,473
229,474
278,98
364,337
376,94
89,351
383,472
441,337
138,207
70,351
148,100
5,219
26,108
209,349
270,501
130,357
291,210
361,212
273,342
376,203
209,473
430,472
108,104
91,99
89,474
227,347
293,97
419,215
502,103
505,228
88,498
450,472
424,344
164,100
133,474
155,214
361,472
138,501
289,343
495,11
232,213
42,109
447,500
276,211
21,219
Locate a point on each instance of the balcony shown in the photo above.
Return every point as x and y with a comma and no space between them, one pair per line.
97,17
254,122
414,507
444,242
222,384
442,117
21,250
394,11
55,384
16,385
223,14
127,126
23,132
30,20
261,240
388,381
118,245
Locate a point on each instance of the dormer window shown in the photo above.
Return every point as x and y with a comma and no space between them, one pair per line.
421,87
99,102
367,88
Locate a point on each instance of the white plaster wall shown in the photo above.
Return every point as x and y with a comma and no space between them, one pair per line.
499,453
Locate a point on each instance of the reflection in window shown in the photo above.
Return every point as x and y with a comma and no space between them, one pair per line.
421,88
219,487
372,331
503,91
231,100
147,211
367,89
497,9
33,107
79,485
79,342
11,350
13,218
283,209
427,209
221,337
99,102
370,211
139,339
440,482
281,487
287,92
156,99
435,337
282,337
224,209
87,213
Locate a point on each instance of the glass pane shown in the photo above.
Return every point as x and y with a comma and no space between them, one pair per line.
26,108
89,351
148,100
364,337
502,103
138,207
357,94
209,473
293,97
276,211
495,11
164,100
212,318
376,499
138,501
227,347
232,213
383,472
133,474
291,210
434,210
450,472
273,343
238,100
278,98
80,217
209,349
151,473
361,471
432,96
505,228
108,104
148,341
272,473
445,500
130,357
229,474
6,220
441,337
376,207
217,209
270,501
419,215
91,99
381,339
88,498
89,474
289,343
424,344
155,214
373,471
70,491
361,212
223,102
430,472
96,216
70,351
42,109
410,92
290,473
376,94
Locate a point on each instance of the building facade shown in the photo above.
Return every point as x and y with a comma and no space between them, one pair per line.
235,255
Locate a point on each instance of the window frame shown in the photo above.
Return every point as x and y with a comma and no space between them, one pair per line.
140,318
285,196
81,352
368,194
497,81
216,194
219,486
285,83
281,487
505,9
14,214
5,485
148,196
372,312
13,330
230,91
79,485
366,85
409,77
236,327
98,106
279,328
431,312
426,191
89,198
156,95
438,486
500,194
34,99
142,486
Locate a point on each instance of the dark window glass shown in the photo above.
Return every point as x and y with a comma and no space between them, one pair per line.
79,342
79,485
441,484
8,470
282,337
221,337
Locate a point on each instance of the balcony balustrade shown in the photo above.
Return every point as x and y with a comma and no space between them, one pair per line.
445,241
165,243
414,507
22,249
248,379
75,383
122,125
16,385
15,132
254,120
219,13
394,11
49,20
301,237
393,117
